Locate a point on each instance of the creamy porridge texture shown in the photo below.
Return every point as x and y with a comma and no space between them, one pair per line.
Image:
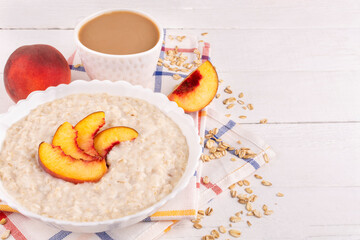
140,172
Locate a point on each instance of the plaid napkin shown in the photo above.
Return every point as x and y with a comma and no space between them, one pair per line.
221,172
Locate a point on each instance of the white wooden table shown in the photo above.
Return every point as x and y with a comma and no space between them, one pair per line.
298,63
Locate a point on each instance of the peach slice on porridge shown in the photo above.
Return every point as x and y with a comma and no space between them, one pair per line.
65,138
197,90
55,162
107,139
87,129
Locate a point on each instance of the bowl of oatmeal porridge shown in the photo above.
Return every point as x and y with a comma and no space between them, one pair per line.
142,174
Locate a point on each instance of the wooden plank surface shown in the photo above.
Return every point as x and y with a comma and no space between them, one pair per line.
246,14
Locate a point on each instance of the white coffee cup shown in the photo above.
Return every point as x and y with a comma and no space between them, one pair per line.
135,68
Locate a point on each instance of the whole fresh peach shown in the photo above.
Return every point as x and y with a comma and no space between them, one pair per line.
34,67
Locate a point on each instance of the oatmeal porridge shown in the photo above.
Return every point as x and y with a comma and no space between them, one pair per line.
140,172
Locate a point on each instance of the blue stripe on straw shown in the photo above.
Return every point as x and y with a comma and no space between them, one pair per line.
104,236
148,219
80,69
160,73
225,128
60,235
158,78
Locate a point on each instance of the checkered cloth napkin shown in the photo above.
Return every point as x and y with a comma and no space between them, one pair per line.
221,172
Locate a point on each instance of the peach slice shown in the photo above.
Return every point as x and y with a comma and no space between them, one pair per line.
55,162
87,129
65,137
107,139
197,90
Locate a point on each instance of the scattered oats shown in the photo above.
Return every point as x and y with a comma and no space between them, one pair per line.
77,65
197,225
248,223
3,221
176,76
268,212
230,106
248,206
184,70
253,198
246,182
241,95
263,121
242,154
217,95
195,220
222,229
232,186
266,183
229,100
166,65
171,37
235,219
201,41
208,237
265,207
279,194
227,115
266,158
159,64
210,143
234,233
208,211
206,180
257,213
248,190
258,176
240,183
208,136
196,51
250,106
244,108
239,142
204,34
221,81
238,214
233,193
180,38
228,90
205,158
212,150
230,225
250,214
241,102
215,131
230,148
242,116
215,233
233,159
5,234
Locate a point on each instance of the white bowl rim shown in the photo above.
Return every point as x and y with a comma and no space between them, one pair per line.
183,182
96,14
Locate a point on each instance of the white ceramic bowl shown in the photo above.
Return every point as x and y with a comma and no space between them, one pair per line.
135,68
120,88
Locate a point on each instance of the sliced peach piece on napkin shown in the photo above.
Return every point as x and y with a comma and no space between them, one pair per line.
87,129
65,138
197,90
55,162
107,139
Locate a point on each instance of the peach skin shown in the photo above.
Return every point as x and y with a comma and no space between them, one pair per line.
55,162
65,137
87,129
197,90
107,139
